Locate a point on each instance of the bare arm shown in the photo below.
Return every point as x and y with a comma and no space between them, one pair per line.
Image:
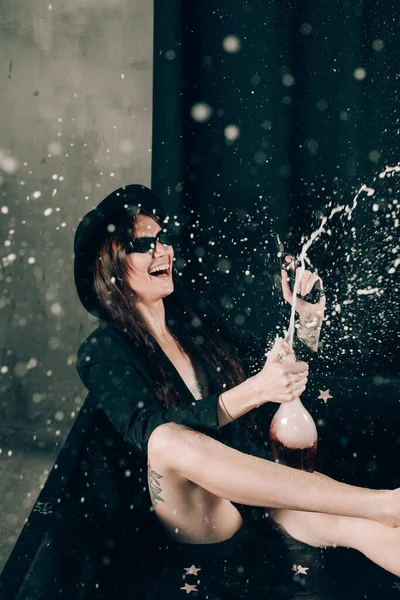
311,316
236,402
309,330
276,382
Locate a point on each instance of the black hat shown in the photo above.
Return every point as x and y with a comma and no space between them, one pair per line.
116,209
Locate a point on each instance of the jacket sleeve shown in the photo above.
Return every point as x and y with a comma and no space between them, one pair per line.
122,392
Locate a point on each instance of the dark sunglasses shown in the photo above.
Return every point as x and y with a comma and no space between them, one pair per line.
147,244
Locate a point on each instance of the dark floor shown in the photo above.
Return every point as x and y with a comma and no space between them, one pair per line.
22,473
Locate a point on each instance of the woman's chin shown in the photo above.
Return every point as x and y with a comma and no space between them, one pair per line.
168,291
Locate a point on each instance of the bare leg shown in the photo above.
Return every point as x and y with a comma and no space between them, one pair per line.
205,475
247,479
188,512
379,543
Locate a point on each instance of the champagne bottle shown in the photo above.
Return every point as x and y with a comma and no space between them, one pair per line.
293,434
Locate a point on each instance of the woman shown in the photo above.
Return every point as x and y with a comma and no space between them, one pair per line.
150,363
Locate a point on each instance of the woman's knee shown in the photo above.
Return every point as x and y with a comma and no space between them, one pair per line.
167,442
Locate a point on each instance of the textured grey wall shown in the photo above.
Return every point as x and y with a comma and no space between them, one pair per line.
76,98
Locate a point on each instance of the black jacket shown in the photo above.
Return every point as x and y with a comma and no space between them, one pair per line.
117,372
92,527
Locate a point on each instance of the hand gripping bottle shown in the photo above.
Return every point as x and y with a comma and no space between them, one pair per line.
293,434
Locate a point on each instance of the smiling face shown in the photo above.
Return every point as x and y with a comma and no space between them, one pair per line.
150,288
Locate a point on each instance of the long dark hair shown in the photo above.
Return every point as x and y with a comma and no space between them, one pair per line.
192,331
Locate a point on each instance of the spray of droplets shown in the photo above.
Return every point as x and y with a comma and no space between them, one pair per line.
360,252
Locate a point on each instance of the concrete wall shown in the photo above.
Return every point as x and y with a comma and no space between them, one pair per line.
75,123
76,90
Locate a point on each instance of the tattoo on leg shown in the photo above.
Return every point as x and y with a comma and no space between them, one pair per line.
153,479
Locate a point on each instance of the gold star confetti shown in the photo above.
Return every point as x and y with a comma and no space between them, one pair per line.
191,570
189,588
324,395
396,585
300,570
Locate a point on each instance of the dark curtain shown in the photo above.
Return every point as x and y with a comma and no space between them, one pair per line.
312,89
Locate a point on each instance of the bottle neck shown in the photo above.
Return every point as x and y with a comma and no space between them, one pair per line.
293,404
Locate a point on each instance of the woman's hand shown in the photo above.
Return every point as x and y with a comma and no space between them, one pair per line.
305,283
310,315
280,381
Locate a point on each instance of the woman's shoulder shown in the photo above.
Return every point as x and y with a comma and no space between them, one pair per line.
107,343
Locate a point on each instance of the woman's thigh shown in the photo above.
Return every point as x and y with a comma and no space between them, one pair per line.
323,530
314,529
188,512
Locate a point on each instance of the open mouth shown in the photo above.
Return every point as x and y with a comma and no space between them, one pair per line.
162,274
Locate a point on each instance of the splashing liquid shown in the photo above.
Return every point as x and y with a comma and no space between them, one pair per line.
293,434
315,234
389,171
